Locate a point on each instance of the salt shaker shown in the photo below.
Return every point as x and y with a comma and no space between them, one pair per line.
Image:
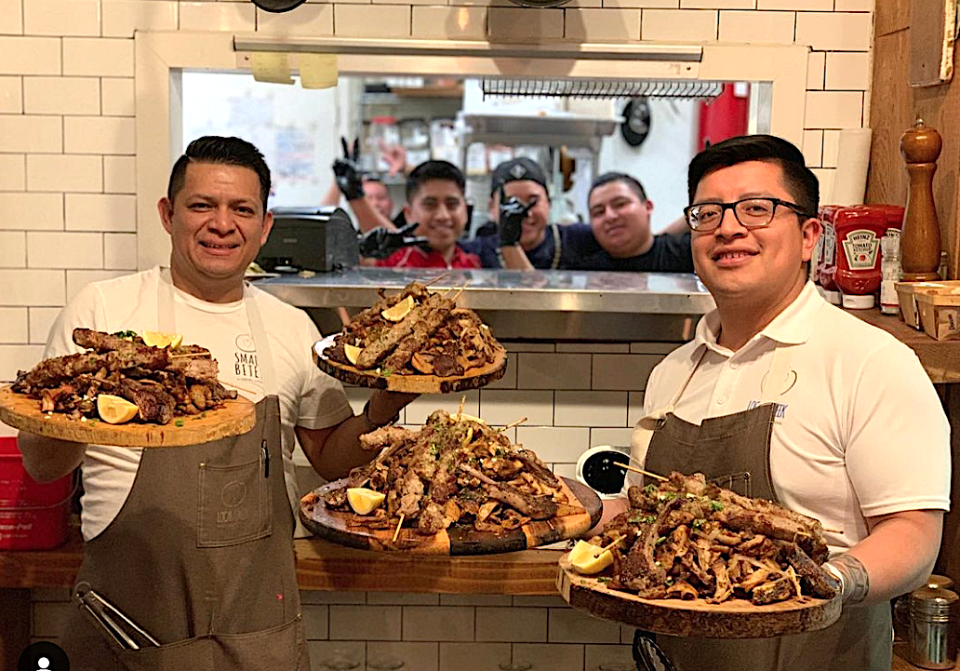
889,272
932,638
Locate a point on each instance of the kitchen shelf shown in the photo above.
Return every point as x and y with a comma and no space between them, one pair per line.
940,358
428,92
326,566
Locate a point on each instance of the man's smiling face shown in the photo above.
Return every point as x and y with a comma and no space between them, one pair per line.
216,223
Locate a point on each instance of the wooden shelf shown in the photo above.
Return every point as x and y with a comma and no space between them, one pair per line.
326,566
940,358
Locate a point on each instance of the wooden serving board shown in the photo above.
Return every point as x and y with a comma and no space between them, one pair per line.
735,618
334,525
411,384
236,417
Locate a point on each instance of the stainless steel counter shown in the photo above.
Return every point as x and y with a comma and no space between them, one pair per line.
550,305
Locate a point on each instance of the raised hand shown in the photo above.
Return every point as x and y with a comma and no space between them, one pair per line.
381,242
346,171
512,212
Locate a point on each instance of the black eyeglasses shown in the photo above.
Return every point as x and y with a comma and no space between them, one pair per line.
750,212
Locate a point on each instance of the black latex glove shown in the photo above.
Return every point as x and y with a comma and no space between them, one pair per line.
347,171
511,216
381,242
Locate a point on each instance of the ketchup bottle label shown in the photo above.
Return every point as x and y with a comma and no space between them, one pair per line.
860,248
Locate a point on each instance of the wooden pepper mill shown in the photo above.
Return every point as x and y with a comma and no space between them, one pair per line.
920,240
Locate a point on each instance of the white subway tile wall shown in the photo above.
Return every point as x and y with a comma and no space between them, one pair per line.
67,175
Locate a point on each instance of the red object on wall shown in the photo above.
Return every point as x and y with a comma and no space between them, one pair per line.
726,116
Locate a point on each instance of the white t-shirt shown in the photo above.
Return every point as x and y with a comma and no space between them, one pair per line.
860,432
308,397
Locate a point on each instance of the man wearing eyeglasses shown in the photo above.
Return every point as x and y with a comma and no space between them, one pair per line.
791,399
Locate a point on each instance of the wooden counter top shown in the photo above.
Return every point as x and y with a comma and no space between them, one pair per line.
940,358
326,566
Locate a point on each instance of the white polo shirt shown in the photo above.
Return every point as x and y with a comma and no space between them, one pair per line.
860,432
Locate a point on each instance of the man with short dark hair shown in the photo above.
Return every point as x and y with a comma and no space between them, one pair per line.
436,210
194,543
794,400
620,222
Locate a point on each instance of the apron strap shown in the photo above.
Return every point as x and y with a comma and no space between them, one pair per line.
167,322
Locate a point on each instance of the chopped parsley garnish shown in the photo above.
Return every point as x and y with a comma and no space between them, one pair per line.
385,372
650,489
716,505
434,449
667,496
698,523
660,540
178,422
604,579
129,335
640,518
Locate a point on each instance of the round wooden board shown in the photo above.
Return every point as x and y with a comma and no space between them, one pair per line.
411,384
236,417
735,618
336,526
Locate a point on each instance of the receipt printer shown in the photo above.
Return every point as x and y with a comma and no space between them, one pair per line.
321,239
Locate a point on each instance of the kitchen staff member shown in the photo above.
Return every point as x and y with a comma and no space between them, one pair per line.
530,242
620,222
829,416
437,211
194,543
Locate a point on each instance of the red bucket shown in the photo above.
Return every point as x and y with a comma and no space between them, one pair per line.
33,516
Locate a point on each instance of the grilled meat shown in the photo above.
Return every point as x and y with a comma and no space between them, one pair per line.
454,472
536,508
434,338
686,539
162,382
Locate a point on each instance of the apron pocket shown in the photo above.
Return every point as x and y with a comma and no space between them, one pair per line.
235,504
281,648
196,654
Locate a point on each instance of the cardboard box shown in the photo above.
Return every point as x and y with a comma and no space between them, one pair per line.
933,307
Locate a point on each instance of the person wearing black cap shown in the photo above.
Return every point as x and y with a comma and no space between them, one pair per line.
530,241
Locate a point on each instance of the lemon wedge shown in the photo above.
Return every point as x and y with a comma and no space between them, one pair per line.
116,410
398,311
364,501
155,339
587,558
352,353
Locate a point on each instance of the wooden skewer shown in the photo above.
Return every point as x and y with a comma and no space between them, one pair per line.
833,531
192,355
611,545
436,279
463,400
514,423
641,471
397,531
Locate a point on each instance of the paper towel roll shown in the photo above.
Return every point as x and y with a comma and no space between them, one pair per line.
853,158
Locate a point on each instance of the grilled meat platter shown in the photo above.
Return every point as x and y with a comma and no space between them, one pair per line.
454,482
163,382
688,539
415,332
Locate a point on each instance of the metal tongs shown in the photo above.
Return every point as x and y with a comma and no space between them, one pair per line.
107,615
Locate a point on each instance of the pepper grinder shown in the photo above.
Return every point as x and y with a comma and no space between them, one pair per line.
920,241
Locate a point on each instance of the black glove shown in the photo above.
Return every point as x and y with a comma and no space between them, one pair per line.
347,171
512,214
381,242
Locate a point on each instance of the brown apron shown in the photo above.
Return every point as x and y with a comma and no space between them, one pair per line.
201,555
734,450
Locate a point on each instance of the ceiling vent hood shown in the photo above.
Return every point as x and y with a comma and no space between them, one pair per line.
606,88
